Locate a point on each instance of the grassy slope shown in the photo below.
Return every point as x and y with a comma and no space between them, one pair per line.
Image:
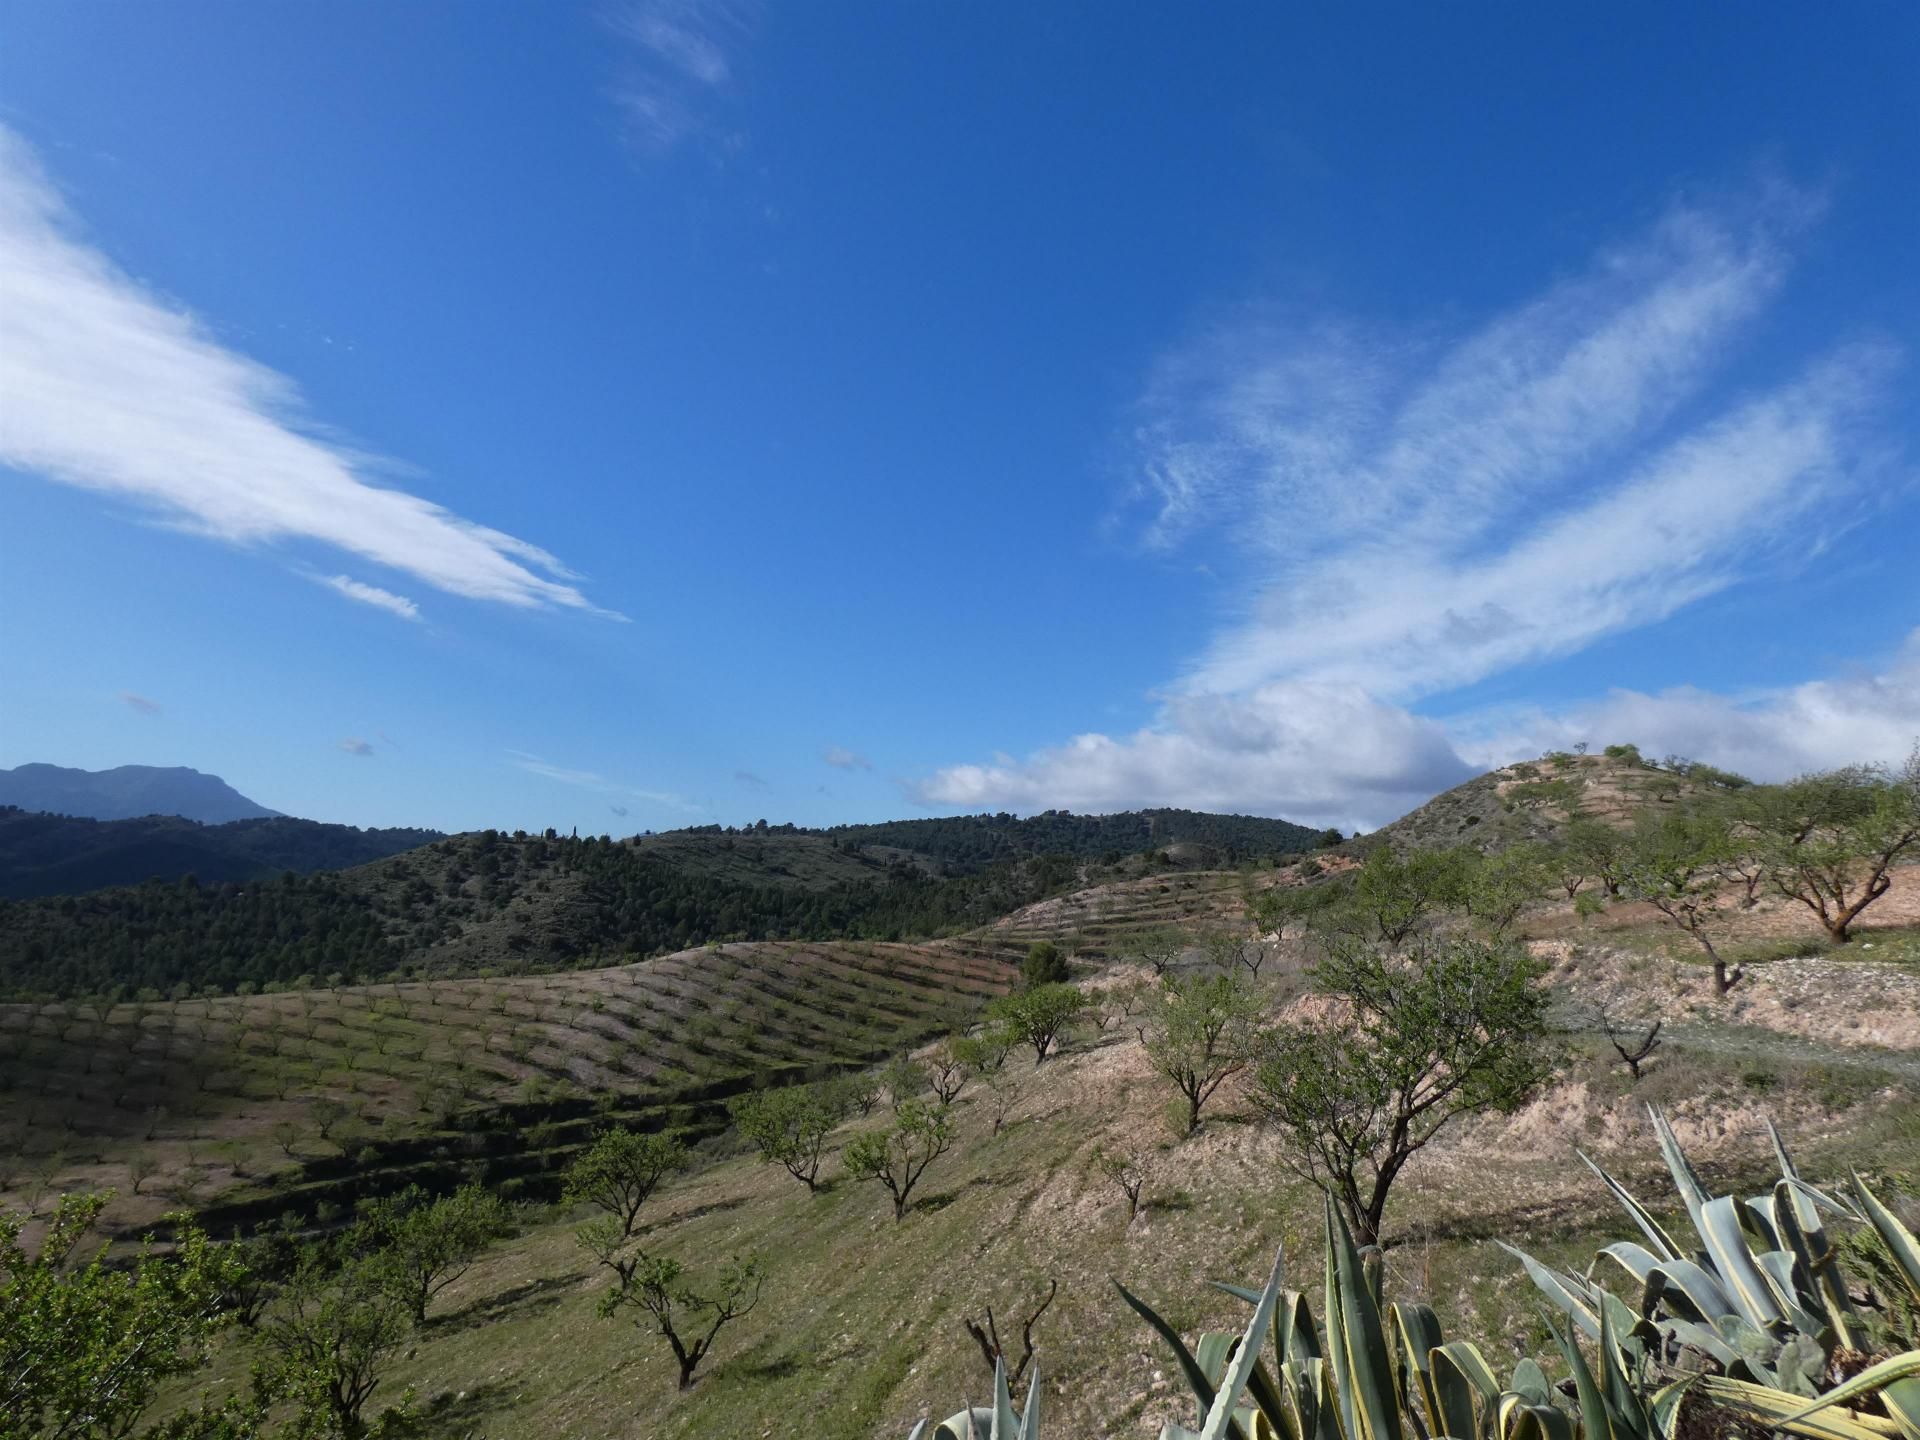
860,1328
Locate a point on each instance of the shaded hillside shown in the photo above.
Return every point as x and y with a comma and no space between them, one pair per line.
42,854
127,791
494,903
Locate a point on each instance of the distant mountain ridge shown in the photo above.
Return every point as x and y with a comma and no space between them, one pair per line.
127,792
47,854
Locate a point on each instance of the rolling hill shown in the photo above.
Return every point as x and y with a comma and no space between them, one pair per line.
495,903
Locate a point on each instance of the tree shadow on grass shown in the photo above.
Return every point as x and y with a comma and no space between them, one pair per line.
530,1298
449,1414
679,1217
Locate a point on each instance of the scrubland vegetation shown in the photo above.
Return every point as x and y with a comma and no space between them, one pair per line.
849,1185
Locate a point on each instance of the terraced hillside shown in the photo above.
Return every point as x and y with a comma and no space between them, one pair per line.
243,1105
1532,800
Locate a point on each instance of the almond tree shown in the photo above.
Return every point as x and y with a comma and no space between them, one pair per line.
621,1170
1831,840
1673,863
1199,1033
898,1156
1455,1027
789,1127
689,1318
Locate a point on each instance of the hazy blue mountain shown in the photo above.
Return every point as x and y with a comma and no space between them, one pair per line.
126,792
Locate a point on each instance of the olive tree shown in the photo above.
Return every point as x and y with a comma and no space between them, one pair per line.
1413,1042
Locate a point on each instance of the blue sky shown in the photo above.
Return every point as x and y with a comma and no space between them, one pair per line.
633,415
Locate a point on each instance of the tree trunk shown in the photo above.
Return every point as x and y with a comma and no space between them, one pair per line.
899,1208
686,1372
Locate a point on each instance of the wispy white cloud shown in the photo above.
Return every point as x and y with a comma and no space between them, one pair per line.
107,386
674,71
593,780
1413,513
1419,513
842,758
354,745
139,704
372,595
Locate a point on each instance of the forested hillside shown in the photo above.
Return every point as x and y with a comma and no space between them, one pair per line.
974,840
44,854
491,903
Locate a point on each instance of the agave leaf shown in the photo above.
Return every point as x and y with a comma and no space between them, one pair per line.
1895,1236
1521,1420
1704,1338
1030,1417
1777,1410
1463,1389
1006,1424
1704,1298
1572,1295
1196,1377
1363,1375
1719,1226
1874,1380
1220,1414
1663,1243
1684,1178
917,1431
1798,1223
1594,1424
1632,1257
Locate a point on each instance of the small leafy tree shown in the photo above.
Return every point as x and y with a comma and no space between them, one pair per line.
689,1318
903,1080
424,1245
1495,888
83,1347
1199,1033
789,1127
985,1051
1453,1028
948,1070
1040,1016
1159,947
898,1156
1234,949
1831,841
621,1170
1044,965
1125,1173
1672,862
1596,849
330,1334
1392,897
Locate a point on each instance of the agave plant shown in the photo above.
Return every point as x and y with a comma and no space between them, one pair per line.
999,1421
1760,1295
1381,1372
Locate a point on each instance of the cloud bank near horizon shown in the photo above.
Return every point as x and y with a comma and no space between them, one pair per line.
1414,515
106,386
